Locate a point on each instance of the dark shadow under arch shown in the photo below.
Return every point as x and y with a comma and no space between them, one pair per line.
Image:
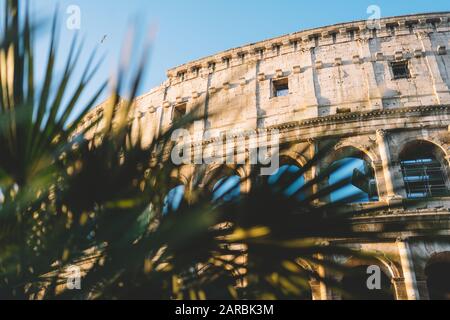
437,272
223,183
354,285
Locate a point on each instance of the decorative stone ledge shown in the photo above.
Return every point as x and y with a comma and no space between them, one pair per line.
297,69
361,116
226,86
261,76
398,56
441,50
356,59
278,73
212,90
338,61
195,95
379,56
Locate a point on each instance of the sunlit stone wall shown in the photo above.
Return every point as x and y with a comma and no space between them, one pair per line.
380,92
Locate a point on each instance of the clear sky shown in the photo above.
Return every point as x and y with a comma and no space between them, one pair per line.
191,29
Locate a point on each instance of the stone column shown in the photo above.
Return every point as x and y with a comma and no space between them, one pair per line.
400,289
313,149
159,118
386,163
412,293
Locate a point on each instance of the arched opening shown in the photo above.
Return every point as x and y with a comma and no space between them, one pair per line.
174,199
438,279
223,184
355,285
227,188
289,180
424,170
354,166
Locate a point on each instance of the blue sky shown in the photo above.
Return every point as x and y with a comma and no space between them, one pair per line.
190,29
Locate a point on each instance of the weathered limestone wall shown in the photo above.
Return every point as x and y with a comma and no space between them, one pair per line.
341,88
341,67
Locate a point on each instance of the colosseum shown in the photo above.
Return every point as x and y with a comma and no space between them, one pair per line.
382,92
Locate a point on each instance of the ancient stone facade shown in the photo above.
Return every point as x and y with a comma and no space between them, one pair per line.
381,93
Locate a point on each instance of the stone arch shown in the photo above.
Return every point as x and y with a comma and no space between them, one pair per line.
292,157
364,144
290,175
350,150
176,194
443,256
179,178
298,155
417,142
389,267
406,141
217,172
437,276
435,170
314,284
359,266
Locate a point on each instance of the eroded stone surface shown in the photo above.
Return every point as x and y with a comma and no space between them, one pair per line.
341,88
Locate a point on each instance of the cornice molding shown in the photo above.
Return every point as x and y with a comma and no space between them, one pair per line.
361,116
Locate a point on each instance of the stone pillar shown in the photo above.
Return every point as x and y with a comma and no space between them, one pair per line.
316,290
367,67
311,84
322,292
440,88
400,289
386,163
379,176
190,195
409,275
313,149
245,171
160,122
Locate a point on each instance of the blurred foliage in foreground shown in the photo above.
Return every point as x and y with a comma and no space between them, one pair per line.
66,201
